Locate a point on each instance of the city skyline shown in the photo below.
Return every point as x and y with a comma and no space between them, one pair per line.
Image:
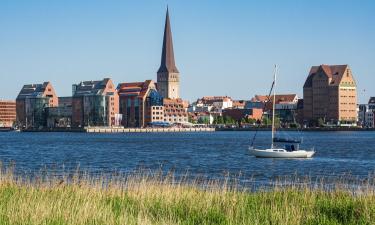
215,55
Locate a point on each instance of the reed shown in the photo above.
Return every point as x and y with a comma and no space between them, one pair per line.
153,198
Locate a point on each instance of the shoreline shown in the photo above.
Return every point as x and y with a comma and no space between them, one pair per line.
168,130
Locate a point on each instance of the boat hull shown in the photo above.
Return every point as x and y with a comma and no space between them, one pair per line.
271,153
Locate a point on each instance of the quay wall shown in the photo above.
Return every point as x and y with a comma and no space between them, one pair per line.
146,130
120,130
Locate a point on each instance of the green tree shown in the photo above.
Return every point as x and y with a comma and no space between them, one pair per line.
218,120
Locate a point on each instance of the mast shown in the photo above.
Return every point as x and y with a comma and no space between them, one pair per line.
273,105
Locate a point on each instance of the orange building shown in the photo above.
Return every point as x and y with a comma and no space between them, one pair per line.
330,94
7,113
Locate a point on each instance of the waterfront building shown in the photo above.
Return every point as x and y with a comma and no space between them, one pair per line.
60,116
140,104
31,104
95,103
7,113
330,94
168,76
175,111
366,114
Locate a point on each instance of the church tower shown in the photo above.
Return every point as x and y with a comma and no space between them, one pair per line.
168,77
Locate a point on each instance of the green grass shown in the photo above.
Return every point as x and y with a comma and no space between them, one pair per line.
154,199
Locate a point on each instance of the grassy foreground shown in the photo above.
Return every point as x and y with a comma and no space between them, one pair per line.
155,200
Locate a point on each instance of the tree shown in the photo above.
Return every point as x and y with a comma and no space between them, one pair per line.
266,121
218,120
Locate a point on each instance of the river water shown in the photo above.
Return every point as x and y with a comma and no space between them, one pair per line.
213,155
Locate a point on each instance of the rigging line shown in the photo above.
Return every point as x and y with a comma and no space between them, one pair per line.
264,107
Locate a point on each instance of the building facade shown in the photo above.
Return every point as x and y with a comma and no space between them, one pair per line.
366,114
140,104
285,106
168,76
330,94
175,111
95,103
7,113
60,116
31,104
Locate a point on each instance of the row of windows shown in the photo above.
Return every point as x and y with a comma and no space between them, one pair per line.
174,110
157,118
170,115
348,118
157,107
175,120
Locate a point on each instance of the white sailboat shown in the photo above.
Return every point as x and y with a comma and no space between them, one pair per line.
289,151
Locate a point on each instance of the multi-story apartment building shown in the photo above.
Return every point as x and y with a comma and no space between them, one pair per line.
31,104
95,103
60,116
330,94
7,113
175,111
366,114
140,104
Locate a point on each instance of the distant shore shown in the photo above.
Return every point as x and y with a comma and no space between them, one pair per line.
178,129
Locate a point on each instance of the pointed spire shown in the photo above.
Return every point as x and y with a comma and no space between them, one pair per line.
167,56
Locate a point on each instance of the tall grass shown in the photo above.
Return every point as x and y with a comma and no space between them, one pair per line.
156,199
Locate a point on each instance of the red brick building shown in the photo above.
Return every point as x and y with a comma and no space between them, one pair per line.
330,94
95,103
140,104
31,103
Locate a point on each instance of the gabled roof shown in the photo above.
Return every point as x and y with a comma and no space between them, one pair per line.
139,89
334,72
167,56
91,87
284,98
33,90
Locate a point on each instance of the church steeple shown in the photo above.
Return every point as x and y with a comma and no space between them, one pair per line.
168,77
167,57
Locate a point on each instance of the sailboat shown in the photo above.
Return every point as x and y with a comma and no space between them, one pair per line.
291,148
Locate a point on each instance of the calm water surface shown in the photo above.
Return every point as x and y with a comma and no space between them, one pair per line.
199,154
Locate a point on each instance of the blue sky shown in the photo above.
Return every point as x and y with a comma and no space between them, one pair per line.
221,47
